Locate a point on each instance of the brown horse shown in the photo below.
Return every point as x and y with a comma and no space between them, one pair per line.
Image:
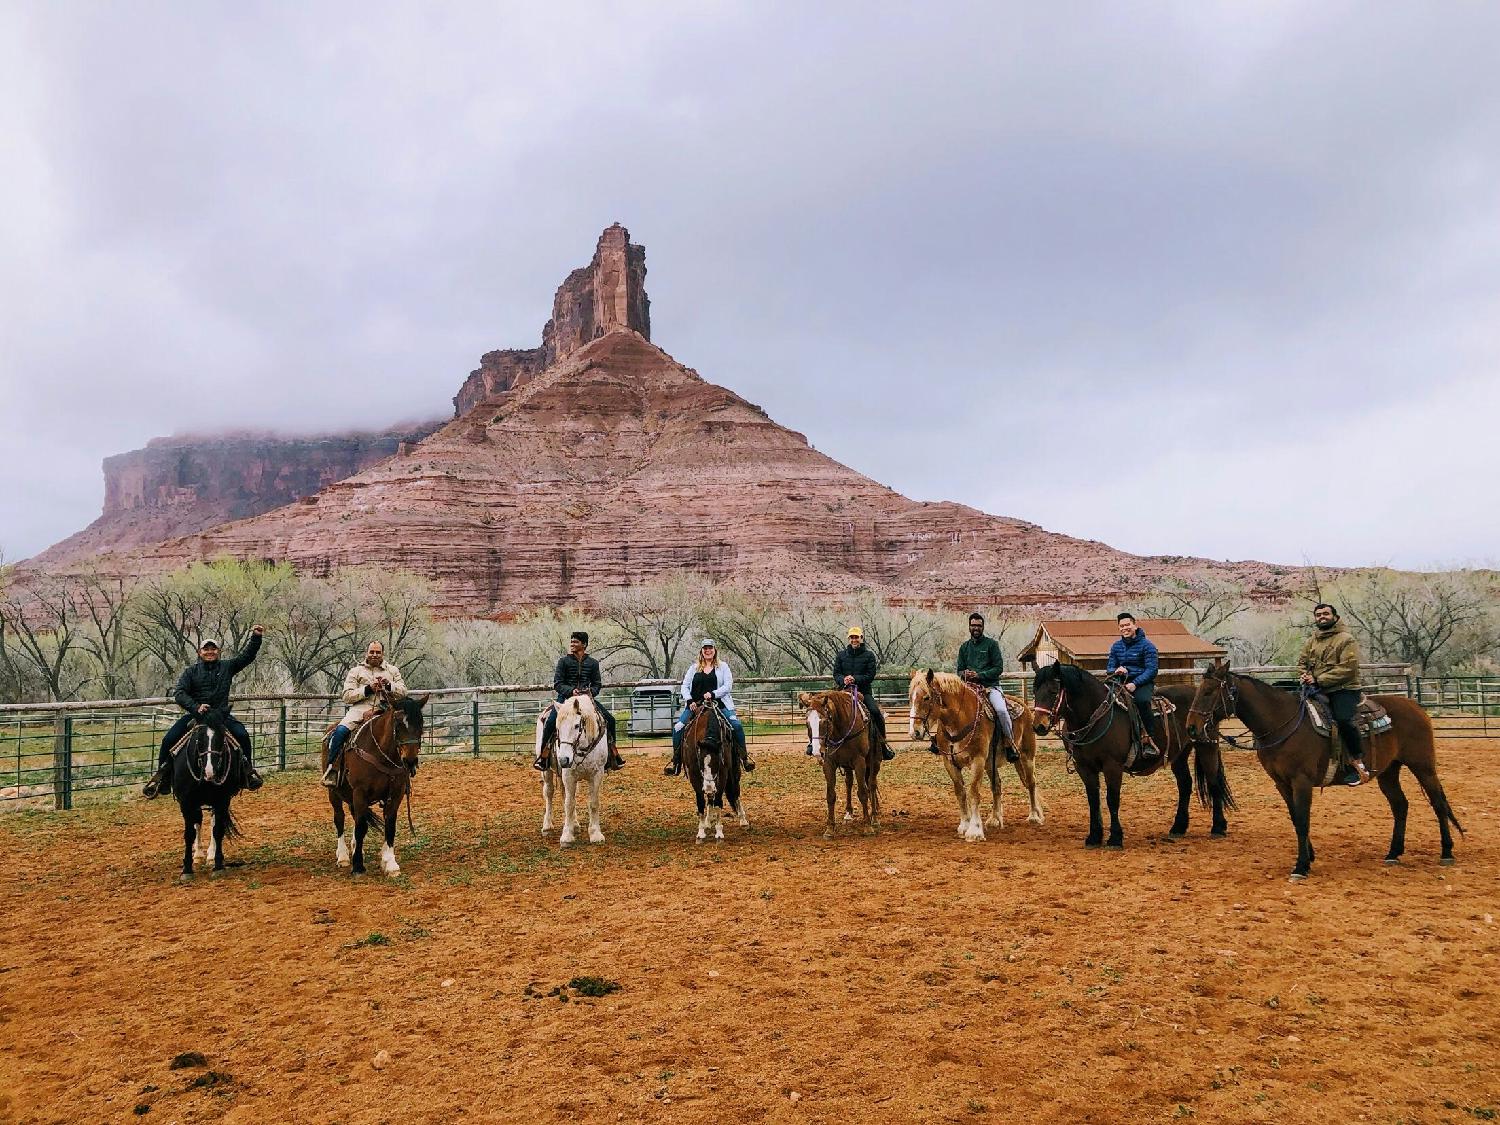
710,758
1207,765
947,708
380,757
845,740
1097,730
1298,758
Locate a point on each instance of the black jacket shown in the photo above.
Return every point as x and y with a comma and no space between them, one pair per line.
209,683
572,673
862,665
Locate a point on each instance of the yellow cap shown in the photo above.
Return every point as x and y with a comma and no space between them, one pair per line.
856,631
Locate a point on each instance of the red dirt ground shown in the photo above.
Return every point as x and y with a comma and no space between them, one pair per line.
773,977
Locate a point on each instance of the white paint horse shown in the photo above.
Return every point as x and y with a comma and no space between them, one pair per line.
579,755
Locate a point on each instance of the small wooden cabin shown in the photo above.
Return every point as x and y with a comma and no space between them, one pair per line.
1086,644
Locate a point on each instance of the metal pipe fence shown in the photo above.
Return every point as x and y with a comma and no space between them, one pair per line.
54,755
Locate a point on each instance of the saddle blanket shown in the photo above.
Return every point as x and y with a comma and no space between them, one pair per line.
1370,718
1012,705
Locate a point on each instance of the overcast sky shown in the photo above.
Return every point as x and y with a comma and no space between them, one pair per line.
1220,280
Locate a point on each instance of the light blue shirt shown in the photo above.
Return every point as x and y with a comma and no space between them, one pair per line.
724,677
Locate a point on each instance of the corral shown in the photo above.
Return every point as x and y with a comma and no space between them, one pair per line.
775,976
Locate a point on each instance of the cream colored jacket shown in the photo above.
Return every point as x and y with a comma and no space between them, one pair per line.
358,684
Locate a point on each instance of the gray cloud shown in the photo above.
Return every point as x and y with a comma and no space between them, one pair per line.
1186,279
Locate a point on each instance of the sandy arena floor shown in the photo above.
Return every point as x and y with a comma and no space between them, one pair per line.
773,977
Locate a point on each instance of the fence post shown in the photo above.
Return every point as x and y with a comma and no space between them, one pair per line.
281,737
62,762
474,722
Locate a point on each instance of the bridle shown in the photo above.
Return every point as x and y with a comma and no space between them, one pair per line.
1086,735
953,739
208,748
1229,699
855,725
1224,697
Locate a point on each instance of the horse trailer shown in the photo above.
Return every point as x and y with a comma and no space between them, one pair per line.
653,710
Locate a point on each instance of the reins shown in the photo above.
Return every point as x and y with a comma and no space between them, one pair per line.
855,726
1230,699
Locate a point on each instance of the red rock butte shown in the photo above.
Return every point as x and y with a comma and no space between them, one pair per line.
597,461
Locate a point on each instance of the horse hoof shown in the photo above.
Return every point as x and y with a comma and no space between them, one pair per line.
596,837
185,877
1219,833
1115,844
1447,861
1295,877
828,833
1393,861
1093,843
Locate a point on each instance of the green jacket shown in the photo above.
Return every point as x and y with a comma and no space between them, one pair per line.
982,657
1333,660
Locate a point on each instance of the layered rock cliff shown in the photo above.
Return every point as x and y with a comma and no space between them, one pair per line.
608,293
178,485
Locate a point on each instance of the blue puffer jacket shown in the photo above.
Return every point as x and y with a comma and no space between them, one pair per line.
1138,657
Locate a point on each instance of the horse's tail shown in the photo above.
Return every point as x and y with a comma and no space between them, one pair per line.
231,829
1443,808
1208,766
374,820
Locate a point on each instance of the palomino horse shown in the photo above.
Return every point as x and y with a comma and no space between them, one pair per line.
712,762
1298,758
580,754
844,740
207,772
379,759
945,707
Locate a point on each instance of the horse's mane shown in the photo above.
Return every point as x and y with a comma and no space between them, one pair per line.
1068,675
593,725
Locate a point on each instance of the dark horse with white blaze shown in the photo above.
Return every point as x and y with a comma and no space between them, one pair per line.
207,772
711,759
1299,758
1096,731
380,757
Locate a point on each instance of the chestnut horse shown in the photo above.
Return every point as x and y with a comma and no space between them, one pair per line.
380,757
946,707
844,740
1298,758
710,758
1096,732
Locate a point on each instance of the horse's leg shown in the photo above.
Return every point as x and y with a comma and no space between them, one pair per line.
997,795
702,807
718,813
190,821
1211,761
973,783
1112,777
1184,776
547,799
956,776
359,807
1390,784
1425,771
1026,771
341,854
849,794
203,845
221,825
570,812
1089,775
735,802
596,830
389,808
864,793
831,781
1298,796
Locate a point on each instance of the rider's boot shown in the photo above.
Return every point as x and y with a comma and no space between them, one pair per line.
676,767
253,780
335,756
161,782
613,761
1356,774
932,746
744,752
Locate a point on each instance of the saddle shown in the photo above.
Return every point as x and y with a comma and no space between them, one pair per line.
1161,707
1370,718
1013,706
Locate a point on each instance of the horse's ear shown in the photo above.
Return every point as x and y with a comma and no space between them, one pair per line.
929,675
419,700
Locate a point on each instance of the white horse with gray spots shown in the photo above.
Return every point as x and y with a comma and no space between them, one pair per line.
579,755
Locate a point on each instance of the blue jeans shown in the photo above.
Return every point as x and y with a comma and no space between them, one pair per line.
729,716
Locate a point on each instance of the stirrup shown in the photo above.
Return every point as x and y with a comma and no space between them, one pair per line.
253,780
153,786
331,775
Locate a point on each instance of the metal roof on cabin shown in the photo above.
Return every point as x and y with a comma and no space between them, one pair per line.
1092,637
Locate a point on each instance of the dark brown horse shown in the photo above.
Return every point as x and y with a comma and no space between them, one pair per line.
711,759
1097,734
1299,759
845,741
1207,765
380,757
207,773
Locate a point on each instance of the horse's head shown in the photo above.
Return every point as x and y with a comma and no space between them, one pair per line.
925,697
1049,695
579,729
1214,700
409,728
818,707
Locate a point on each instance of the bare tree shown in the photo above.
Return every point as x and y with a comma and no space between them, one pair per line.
1412,618
1204,605
649,624
105,633
743,622
43,621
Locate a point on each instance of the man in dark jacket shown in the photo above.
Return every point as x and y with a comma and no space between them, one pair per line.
203,692
577,673
1330,663
1133,659
855,666
981,662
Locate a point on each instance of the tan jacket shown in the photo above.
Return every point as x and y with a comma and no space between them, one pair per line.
358,685
1333,660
